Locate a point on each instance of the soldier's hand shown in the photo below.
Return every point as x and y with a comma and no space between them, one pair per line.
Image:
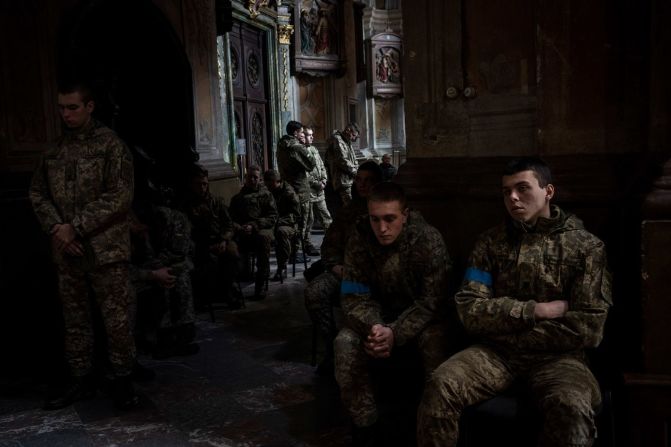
164,277
550,310
379,342
218,248
74,248
62,235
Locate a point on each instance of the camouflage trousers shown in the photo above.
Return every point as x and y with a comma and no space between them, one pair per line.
319,211
178,303
563,388
111,289
284,238
321,295
353,368
303,220
345,193
259,244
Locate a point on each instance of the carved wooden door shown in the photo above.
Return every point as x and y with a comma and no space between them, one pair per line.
250,91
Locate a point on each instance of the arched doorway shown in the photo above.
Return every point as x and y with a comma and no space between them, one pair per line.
131,55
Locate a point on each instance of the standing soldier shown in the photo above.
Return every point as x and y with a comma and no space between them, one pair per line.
536,294
294,163
341,161
81,193
318,178
393,296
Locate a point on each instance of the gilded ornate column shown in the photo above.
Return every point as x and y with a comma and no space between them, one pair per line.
284,31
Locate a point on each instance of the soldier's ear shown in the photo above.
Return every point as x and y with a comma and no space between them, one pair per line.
549,191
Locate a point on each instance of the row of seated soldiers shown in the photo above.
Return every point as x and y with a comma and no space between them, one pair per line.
535,295
199,247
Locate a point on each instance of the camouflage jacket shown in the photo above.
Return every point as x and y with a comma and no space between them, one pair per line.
87,181
403,285
513,267
255,207
335,239
167,243
288,205
211,222
341,161
294,163
317,176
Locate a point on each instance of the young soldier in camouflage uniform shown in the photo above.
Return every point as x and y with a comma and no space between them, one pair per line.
318,178
81,193
323,292
162,265
341,161
536,294
288,210
216,253
254,216
393,296
294,163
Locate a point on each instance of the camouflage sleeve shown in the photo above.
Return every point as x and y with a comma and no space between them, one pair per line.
302,158
333,244
40,198
294,210
430,300
341,160
179,248
589,300
225,220
360,310
479,311
116,199
268,211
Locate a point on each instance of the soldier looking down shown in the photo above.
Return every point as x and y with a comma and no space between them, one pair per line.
394,299
81,193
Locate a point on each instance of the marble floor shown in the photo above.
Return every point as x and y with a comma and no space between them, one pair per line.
251,384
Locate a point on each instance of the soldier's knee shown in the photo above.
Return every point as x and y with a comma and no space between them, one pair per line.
346,342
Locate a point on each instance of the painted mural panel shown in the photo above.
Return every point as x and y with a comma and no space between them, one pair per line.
312,109
318,41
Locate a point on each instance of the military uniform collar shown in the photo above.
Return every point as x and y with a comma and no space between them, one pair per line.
543,224
83,132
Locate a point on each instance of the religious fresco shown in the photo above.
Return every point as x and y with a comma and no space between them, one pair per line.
317,44
384,72
313,109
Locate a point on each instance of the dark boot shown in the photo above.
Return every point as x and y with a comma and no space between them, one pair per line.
311,250
142,374
365,436
124,394
79,388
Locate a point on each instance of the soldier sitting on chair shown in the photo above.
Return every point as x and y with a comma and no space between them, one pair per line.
394,299
288,209
323,292
254,215
216,253
536,294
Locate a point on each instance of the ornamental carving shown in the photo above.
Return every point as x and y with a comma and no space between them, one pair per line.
284,33
254,7
253,70
235,64
257,138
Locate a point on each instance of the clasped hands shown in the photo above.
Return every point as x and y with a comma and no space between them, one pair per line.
379,342
64,239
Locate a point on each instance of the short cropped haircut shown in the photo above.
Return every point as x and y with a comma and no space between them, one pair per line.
251,168
353,126
293,126
197,170
271,175
388,192
374,168
540,169
80,87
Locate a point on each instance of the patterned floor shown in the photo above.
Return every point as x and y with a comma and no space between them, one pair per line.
251,384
